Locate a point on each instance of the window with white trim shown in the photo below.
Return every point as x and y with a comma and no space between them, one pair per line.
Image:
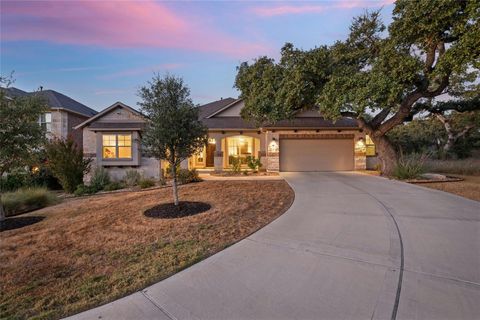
45,121
117,146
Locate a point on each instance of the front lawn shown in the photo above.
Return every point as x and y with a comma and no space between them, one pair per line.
93,250
469,188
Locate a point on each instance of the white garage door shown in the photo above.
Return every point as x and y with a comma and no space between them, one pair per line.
316,154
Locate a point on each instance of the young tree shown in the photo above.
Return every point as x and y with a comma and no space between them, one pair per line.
20,134
173,132
66,162
375,77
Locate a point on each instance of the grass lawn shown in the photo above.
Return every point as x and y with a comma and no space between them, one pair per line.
93,250
469,188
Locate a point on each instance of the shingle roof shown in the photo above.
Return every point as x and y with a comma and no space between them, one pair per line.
58,100
14,92
117,125
239,123
212,107
55,100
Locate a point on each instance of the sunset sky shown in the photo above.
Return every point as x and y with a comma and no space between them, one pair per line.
99,52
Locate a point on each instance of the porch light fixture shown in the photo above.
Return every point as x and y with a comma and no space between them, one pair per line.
273,146
211,140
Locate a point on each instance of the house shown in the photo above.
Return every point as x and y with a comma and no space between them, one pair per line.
63,113
306,143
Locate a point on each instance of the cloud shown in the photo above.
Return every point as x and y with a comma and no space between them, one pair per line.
118,24
141,70
317,8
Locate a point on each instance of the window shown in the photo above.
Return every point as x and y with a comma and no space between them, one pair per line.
45,121
239,147
370,146
117,146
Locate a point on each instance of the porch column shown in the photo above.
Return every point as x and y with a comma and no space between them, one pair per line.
218,156
273,152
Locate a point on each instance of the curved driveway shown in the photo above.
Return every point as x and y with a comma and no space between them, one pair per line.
351,246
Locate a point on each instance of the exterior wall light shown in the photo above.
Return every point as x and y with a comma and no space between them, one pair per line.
273,146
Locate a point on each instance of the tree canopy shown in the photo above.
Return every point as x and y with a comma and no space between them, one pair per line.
173,131
377,75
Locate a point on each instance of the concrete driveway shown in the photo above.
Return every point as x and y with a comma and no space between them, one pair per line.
351,246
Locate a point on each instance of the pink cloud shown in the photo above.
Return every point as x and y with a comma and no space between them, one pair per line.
126,24
317,8
141,70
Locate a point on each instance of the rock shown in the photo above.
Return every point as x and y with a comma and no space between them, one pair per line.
433,176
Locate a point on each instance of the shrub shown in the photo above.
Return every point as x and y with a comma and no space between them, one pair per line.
84,189
168,171
254,163
114,186
25,200
410,167
132,177
100,178
66,162
14,180
236,164
188,176
146,183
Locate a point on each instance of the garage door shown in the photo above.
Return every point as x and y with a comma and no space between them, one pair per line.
316,154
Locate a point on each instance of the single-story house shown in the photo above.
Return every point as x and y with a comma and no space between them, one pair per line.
63,114
307,143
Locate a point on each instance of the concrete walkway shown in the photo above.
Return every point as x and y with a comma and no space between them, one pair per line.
351,247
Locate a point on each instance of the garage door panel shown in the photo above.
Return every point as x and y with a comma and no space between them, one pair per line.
316,154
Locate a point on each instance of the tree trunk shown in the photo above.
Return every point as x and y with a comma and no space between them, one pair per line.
386,154
174,184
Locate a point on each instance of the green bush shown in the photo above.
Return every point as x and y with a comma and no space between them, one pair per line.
254,163
115,185
14,180
410,167
132,177
168,171
100,178
146,183
66,162
187,176
25,200
84,189
236,164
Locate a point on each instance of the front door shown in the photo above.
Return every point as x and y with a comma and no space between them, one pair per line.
210,155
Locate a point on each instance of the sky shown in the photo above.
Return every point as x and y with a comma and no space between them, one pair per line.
100,52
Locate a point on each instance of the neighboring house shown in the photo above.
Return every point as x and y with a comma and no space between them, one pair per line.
306,143
63,115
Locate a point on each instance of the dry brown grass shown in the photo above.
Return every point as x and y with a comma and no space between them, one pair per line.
93,250
469,188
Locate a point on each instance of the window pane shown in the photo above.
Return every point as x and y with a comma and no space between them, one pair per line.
125,140
109,152
370,150
124,152
109,140
48,117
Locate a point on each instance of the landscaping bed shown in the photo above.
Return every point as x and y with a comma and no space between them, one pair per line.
89,251
243,173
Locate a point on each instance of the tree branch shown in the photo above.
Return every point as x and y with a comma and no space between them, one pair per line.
378,119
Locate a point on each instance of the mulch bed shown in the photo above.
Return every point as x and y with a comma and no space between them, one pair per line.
18,222
242,174
171,211
447,179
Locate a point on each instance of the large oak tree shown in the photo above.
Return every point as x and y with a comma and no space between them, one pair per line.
377,75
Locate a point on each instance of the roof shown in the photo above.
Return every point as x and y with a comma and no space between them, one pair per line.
208,112
117,125
213,107
107,110
14,92
55,100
